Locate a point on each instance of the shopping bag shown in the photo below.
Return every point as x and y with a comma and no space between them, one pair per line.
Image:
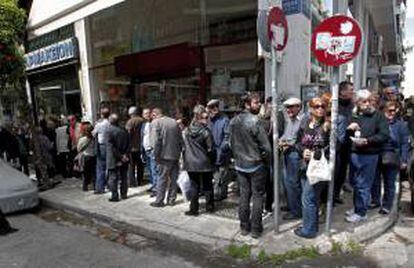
185,184
318,170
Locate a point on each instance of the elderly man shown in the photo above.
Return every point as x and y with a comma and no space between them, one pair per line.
291,157
252,151
136,167
368,131
219,126
117,158
168,143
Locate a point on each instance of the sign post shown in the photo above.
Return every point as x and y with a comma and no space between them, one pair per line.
278,35
335,41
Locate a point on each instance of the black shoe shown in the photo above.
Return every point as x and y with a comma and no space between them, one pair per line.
98,192
384,211
171,203
191,213
113,199
157,205
339,201
244,232
256,235
153,194
124,197
373,206
298,232
7,231
290,217
347,188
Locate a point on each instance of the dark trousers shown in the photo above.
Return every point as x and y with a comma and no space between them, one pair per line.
204,180
118,176
24,164
135,170
343,156
88,173
100,168
252,186
269,190
62,164
4,224
388,176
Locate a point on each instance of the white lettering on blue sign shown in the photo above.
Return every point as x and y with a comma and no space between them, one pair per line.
60,51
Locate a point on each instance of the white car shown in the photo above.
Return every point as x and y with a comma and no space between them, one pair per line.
17,191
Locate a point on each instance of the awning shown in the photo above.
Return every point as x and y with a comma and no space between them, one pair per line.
163,63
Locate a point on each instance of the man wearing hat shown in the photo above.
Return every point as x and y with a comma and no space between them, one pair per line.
136,167
291,157
219,126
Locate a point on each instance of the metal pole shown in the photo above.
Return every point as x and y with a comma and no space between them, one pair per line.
275,141
332,146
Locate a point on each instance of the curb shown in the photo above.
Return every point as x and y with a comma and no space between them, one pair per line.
187,241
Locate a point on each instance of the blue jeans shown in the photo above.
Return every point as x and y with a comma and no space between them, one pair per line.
292,182
100,168
389,176
310,205
152,168
364,167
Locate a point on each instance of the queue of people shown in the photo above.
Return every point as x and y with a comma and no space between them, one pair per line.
372,148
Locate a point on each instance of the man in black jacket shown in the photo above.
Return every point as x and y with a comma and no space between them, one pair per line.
117,158
251,151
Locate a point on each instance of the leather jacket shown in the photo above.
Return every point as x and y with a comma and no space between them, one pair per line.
249,141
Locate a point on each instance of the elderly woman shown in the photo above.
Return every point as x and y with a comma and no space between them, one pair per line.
393,157
312,139
199,157
368,131
87,156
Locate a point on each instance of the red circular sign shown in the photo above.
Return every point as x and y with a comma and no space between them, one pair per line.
277,28
336,40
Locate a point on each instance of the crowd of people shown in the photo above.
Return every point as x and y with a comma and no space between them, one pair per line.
372,149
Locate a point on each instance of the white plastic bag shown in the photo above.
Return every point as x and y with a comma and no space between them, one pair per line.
185,184
318,170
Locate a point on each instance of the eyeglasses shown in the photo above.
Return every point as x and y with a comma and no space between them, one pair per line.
318,107
291,106
392,111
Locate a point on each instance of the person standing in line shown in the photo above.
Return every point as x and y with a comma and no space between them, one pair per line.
312,139
42,158
117,158
368,131
251,150
168,143
23,138
62,147
100,132
136,167
148,151
219,127
199,158
291,157
87,149
393,158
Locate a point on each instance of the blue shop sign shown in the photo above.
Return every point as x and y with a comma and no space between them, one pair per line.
61,51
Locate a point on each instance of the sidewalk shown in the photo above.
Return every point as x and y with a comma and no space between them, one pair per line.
208,231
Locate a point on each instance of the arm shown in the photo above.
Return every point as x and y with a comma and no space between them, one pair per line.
263,142
404,144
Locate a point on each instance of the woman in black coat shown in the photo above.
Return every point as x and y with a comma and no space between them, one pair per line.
199,157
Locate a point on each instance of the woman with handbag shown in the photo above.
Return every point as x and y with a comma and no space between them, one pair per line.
86,160
368,131
312,143
393,158
199,158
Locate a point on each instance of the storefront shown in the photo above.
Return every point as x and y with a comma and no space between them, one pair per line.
53,75
187,55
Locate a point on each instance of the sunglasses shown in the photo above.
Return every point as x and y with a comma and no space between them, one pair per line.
291,106
318,107
392,111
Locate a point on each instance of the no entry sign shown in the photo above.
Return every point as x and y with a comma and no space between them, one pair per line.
336,40
277,28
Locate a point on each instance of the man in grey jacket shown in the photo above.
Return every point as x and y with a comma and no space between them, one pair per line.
252,152
168,145
117,158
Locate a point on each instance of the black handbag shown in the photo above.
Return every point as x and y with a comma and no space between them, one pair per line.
390,159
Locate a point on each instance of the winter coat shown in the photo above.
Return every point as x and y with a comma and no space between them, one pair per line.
168,141
118,146
199,150
398,139
219,127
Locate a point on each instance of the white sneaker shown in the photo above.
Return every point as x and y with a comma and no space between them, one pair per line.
355,218
349,212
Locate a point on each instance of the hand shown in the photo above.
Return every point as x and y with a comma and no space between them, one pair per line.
361,142
125,158
403,166
354,127
307,154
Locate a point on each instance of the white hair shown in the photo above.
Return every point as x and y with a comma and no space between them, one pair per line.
362,94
